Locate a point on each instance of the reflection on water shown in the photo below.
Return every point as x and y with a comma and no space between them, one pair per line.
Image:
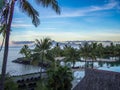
110,66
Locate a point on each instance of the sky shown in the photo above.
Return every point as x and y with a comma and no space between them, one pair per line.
79,20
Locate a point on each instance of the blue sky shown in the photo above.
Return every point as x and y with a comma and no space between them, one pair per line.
79,20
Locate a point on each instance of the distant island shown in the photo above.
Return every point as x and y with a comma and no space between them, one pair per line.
76,42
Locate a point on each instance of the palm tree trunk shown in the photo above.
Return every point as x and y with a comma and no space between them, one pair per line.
41,65
2,81
85,64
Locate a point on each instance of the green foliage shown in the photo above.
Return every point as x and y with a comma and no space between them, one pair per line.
25,50
41,49
60,78
52,3
71,54
57,51
9,83
7,17
94,50
30,11
85,51
41,85
1,4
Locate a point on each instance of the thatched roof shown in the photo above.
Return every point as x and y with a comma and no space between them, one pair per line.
99,80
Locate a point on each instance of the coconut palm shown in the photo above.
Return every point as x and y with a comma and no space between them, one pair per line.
71,54
26,52
6,13
57,50
93,48
100,51
41,47
112,50
85,52
59,78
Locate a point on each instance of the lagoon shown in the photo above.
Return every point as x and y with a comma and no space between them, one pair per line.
20,69
14,68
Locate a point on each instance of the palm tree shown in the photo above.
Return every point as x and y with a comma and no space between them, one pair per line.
71,54
26,52
118,51
6,13
100,51
112,50
57,50
59,78
41,47
85,52
93,53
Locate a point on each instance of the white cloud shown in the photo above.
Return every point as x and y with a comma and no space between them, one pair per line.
63,36
110,5
72,12
21,25
49,28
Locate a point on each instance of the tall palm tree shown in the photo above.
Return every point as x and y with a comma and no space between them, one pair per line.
93,51
71,54
100,51
41,47
59,78
6,13
85,52
57,50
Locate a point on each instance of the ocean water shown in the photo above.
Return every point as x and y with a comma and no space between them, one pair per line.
14,68
20,69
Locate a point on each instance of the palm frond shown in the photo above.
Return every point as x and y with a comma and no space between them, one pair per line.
2,3
43,43
2,44
3,30
4,14
30,11
52,3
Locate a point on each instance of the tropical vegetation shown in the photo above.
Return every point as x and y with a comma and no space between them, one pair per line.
59,78
9,83
44,52
6,17
26,52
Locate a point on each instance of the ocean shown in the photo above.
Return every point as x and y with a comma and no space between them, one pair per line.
15,68
20,69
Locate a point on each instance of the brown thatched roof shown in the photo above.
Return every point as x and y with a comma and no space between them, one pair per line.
99,80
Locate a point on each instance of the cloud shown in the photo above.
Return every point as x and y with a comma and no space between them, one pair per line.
21,25
64,36
110,5
18,20
49,28
72,12
60,36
